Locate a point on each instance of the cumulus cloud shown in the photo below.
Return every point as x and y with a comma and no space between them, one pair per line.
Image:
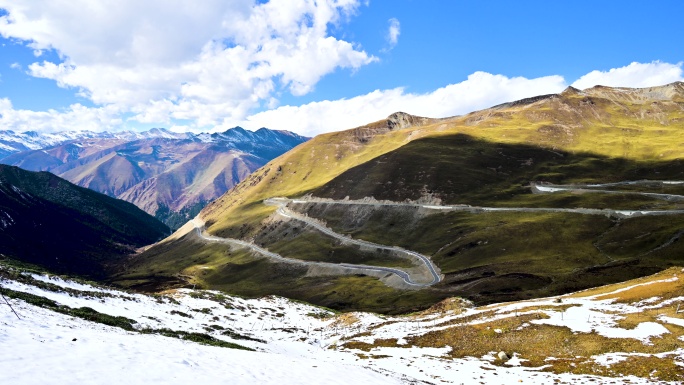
76,117
635,75
160,59
479,90
393,32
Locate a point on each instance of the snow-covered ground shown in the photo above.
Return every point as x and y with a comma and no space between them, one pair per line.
295,343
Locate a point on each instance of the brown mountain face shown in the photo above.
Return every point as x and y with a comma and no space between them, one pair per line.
200,178
171,176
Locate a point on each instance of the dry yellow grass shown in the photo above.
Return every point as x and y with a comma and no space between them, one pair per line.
648,287
364,346
558,348
536,343
345,319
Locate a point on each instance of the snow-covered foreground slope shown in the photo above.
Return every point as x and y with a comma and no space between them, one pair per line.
45,348
296,343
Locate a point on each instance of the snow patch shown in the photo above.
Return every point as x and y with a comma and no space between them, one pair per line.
671,320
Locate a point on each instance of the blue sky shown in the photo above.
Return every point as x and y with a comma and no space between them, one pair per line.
313,67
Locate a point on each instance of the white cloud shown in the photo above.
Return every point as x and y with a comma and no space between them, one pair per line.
208,63
76,118
393,32
634,75
165,61
480,90
15,66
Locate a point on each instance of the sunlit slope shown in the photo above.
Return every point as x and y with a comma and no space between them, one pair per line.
637,124
626,333
462,169
305,168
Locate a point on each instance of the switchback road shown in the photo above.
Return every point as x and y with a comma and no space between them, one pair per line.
424,261
285,212
405,276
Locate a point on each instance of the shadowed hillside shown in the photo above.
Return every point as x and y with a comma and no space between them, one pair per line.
48,221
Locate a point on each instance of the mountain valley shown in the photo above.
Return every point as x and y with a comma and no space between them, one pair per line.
403,251
341,192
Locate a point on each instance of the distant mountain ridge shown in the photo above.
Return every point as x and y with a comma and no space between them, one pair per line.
171,175
12,142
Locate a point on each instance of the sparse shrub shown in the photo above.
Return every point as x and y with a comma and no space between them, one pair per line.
180,313
200,338
90,314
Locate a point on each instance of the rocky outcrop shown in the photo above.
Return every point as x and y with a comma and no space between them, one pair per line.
400,120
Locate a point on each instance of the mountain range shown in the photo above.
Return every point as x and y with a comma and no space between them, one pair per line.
535,197
483,244
170,175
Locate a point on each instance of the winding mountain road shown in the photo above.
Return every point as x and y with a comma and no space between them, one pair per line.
477,209
424,261
405,276
600,188
285,212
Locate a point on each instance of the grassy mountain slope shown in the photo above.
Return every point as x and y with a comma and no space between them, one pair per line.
53,223
637,124
497,256
460,169
484,158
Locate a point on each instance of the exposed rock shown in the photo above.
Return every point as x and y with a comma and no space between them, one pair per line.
157,168
571,91
673,91
400,120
